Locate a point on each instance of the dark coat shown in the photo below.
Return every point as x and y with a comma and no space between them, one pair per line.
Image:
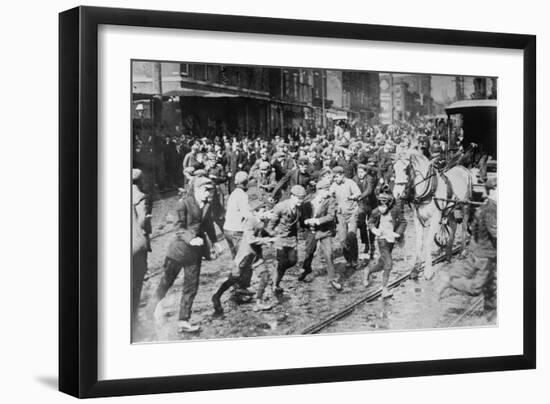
231,161
294,177
350,167
260,186
192,222
171,156
398,218
367,186
284,225
326,215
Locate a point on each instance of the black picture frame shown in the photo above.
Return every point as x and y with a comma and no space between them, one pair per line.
78,207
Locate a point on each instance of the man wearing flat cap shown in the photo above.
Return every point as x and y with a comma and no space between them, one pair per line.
476,274
348,163
318,215
366,181
388,223
283,225
280,166
346,193
193,241
299,176
262,182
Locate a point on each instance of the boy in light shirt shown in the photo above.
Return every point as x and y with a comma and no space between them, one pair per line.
249,247
388,223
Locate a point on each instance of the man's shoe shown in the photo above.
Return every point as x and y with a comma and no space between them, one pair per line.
244,292
366,279
386,293
218,309
186,326
303,275
336,285
262,306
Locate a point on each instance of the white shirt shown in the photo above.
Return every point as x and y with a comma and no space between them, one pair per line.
237,210
342,192
386,228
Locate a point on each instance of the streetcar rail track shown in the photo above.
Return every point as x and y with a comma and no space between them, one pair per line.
369,297
349,309
468,312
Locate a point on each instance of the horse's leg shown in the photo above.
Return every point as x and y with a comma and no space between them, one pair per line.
419,229
465,219
433,222
452,227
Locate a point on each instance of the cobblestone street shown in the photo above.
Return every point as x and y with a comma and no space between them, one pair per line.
413,306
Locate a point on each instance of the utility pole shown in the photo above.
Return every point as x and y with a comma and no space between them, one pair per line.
281,116
156,113
323,99
391,97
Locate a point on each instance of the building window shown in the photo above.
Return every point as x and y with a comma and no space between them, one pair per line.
184,69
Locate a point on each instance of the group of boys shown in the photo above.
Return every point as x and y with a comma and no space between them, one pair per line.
331,193
337,208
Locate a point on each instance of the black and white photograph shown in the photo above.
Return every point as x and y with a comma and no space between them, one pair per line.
273,201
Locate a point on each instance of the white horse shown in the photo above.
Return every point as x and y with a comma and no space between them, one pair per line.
435,197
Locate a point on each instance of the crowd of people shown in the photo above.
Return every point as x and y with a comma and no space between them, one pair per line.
261,192
160,153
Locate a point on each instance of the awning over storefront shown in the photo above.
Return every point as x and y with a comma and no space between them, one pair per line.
460,106
189,92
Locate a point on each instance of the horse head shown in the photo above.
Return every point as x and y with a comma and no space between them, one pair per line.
402,174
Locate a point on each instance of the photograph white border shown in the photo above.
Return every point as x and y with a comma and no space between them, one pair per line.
118,359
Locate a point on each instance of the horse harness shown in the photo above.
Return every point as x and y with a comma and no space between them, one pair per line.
430,191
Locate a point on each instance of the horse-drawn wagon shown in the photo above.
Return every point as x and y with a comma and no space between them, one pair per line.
477,120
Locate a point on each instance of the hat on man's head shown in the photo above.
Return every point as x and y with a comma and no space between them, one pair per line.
322,184
298,190
325,171
201,182
338,170
362,166
241,177
303,161
278,155
385,194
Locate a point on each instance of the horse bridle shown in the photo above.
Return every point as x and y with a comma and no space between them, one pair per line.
415,172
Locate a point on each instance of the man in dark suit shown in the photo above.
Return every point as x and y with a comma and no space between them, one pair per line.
192,242
299,176
366,180
236,160
283,225
319,215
